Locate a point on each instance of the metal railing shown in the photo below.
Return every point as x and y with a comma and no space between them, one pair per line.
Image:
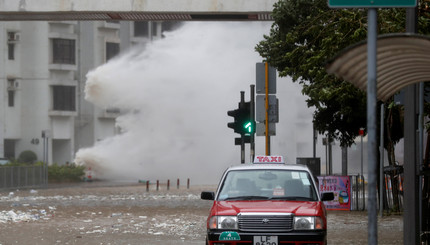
358,193
22,176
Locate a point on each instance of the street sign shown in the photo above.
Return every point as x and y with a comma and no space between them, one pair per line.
260,79
260,108
372,3
260,129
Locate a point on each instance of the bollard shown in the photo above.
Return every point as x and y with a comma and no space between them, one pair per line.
147,185
158,185
168,184
188,183
177,184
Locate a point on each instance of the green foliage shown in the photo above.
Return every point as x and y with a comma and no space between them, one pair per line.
27,157
305,35
14,162
65,173
57,173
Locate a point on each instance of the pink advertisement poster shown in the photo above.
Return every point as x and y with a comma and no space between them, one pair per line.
341,188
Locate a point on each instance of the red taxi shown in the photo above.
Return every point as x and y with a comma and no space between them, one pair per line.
267,203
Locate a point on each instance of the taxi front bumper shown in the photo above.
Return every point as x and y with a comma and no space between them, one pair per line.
290,238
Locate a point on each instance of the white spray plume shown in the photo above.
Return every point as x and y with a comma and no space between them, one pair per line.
177,91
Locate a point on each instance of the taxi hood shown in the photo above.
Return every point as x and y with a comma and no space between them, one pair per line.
273,206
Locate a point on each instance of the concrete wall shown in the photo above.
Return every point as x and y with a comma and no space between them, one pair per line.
138,5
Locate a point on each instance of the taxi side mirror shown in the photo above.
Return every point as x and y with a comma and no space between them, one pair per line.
207,195
327,196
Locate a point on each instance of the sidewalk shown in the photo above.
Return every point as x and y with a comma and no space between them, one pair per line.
350,227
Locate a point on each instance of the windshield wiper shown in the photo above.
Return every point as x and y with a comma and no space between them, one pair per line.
246,198
293,198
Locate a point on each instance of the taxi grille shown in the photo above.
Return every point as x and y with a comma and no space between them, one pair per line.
265,222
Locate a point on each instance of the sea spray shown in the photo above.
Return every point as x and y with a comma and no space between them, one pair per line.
175,93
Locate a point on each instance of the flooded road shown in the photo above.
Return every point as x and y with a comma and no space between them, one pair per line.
118,213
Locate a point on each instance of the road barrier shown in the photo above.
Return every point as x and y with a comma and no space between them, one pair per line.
158,184
22,176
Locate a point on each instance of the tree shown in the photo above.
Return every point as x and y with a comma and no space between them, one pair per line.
305,35
27,157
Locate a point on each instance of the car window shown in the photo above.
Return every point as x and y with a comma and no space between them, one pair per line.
267,184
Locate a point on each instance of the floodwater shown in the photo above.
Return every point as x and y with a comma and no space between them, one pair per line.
120,213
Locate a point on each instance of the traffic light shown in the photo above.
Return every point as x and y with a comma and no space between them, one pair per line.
247,124
243,124
234,125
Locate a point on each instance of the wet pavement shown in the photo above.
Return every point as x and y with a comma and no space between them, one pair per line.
123,213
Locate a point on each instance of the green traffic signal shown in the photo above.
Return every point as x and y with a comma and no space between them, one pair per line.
243,124
247,124
248,127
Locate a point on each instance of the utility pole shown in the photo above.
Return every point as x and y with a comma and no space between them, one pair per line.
252,115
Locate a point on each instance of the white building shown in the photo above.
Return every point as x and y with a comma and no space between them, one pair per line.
42,78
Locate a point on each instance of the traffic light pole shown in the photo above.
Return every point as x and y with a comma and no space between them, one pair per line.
252,142
242,137
244,123
267,109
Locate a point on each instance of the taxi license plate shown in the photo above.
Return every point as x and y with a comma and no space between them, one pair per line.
265,240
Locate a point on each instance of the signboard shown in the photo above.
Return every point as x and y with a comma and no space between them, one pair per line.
341,188
260,77
361,132
260,129
268,159
260,109
372,3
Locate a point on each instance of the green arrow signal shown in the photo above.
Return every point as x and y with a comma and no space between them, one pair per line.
248,126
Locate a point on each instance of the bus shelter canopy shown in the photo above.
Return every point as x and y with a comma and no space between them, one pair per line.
402,59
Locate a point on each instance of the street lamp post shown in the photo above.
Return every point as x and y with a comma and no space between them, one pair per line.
361,133
45,136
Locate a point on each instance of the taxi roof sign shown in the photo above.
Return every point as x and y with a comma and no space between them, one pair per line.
269,159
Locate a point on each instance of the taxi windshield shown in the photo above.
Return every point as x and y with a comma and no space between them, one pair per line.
263,184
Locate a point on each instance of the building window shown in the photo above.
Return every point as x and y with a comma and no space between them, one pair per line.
112,49
141,28
11,87
9,149
154,28
11,51
12,38
63,51
170,25
11,98
64,98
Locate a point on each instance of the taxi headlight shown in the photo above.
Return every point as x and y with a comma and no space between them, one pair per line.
308,223
223,222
